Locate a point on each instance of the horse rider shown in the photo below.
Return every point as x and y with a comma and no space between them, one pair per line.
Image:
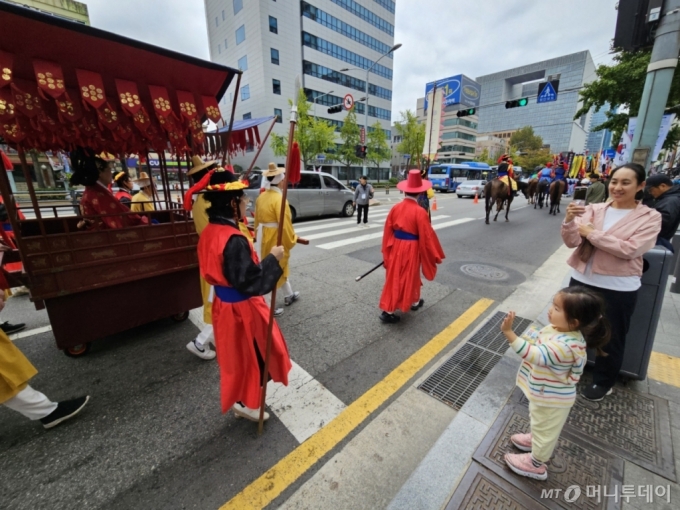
546,173
506,173
559,173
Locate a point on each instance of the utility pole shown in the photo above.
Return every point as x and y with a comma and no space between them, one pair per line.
658,84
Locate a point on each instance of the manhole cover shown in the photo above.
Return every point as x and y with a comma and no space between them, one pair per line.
484,272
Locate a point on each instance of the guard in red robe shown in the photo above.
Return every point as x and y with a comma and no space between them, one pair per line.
409,244
229,263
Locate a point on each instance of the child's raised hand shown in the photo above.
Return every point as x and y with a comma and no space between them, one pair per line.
506,325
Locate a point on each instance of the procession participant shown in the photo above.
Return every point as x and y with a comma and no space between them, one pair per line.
267,212
95,174
409,244
124,183
506,174
228,261
559,173
16,394
546,173
143,201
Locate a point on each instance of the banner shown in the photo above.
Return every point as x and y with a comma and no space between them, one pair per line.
666,123
433,123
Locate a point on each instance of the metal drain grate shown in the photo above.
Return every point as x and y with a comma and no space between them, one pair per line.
458,378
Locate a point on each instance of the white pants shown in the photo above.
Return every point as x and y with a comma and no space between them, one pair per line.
205,336
32,404
286,290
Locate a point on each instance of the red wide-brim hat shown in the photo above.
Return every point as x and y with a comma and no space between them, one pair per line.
414,183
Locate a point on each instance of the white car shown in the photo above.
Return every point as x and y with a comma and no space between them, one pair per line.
470,189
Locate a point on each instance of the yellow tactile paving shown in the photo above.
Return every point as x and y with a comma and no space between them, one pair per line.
664,368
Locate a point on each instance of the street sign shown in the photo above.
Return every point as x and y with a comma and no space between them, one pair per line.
321,157
348,102
363,136
547,91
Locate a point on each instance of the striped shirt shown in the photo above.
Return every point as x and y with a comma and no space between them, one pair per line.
553,363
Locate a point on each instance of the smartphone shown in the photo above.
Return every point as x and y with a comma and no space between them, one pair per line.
579,202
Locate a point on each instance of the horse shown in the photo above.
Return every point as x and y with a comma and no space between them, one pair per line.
542,194
532,190
524,188
495,191
556,191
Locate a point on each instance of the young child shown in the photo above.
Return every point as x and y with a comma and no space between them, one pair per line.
554,358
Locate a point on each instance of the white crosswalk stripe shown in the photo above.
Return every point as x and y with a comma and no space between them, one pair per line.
337,222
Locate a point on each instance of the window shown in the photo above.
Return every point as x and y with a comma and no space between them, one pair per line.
243,63
366,15
245,92
275,56
279,115
225,43
247,116
276,87
219,48
309,181
238,5
240,34
327,74
273,25
331,183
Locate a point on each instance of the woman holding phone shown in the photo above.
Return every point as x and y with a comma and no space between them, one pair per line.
611,239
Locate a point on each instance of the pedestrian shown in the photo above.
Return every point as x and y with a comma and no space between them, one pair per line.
143,201
362,197
667,203
410,245
611,239
267,213
16,394
427,195
124,183
240,315
596,192
553,359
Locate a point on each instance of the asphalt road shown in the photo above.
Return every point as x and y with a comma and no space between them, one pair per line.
153,436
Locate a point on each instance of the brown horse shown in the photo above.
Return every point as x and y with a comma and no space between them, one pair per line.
556,191
532,190
496,192
542,194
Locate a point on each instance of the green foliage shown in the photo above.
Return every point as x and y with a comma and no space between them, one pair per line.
378,149
314,136
412,137
525,140
484,157
351,137
531,158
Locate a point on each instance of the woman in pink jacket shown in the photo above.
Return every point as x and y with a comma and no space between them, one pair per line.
611,239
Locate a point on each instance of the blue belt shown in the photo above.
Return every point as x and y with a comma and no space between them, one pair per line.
405,236
230,294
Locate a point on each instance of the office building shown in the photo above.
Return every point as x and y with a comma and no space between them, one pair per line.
553,121
599,139
493,145
68,9
330,44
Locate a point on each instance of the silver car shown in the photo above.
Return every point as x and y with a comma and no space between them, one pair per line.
317,194
470,189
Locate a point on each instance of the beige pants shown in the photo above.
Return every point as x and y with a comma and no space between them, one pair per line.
546,426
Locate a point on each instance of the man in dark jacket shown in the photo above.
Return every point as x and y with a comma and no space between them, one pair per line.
667,202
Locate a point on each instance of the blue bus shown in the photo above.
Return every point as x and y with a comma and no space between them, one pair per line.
447,177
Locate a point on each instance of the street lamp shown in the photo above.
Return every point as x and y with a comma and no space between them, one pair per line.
393,48
317,97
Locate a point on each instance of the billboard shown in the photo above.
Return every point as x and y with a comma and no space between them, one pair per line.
457,89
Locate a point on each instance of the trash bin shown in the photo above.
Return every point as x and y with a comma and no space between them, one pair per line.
643,323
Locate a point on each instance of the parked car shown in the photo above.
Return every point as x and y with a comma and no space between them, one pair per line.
470,189
317,194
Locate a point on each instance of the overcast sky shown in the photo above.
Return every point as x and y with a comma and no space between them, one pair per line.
440,38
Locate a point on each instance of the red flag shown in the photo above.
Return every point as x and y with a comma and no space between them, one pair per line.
128,95
187,104
161,101
212,109
6,61
294,170
7,109
49,77
91,88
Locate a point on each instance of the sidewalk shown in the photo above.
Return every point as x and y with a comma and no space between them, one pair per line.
618,453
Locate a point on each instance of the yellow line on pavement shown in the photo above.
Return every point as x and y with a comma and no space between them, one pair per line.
664,368
273,482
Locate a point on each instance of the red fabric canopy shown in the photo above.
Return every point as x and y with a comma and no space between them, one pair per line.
64,84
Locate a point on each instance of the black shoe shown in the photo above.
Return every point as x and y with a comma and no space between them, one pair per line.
420,304
595,393
11,328
64,411
389,318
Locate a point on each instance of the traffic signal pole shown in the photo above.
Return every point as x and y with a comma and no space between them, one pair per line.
658,84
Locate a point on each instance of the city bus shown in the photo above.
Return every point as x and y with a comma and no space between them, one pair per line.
447,177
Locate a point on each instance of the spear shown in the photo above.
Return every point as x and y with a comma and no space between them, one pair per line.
292,175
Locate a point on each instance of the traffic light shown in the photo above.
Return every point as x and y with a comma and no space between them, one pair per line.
360,151
465,113
335,109
517,103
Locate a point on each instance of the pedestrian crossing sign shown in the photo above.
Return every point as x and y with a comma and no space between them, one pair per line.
547,92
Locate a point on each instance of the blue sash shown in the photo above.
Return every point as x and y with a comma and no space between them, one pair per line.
230,294
405,236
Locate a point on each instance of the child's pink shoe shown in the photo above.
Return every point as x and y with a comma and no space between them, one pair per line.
522,441
522,464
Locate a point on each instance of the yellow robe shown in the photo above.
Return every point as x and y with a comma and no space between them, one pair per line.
267,210
15,369
200,216
142,202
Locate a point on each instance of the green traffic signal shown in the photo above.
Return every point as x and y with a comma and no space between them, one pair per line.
517,102
465,113
523,102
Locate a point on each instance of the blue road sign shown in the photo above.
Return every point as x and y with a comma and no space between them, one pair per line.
321,157
547,94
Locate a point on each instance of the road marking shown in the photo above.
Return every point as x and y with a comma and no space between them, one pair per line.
306,221
305,405
333,233
30,332
452,223
337,223
278,478
664,368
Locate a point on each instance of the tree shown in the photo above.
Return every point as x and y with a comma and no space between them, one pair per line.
532,158
485,157
525,140
377,149
351,137
314,136
621,85
412,137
